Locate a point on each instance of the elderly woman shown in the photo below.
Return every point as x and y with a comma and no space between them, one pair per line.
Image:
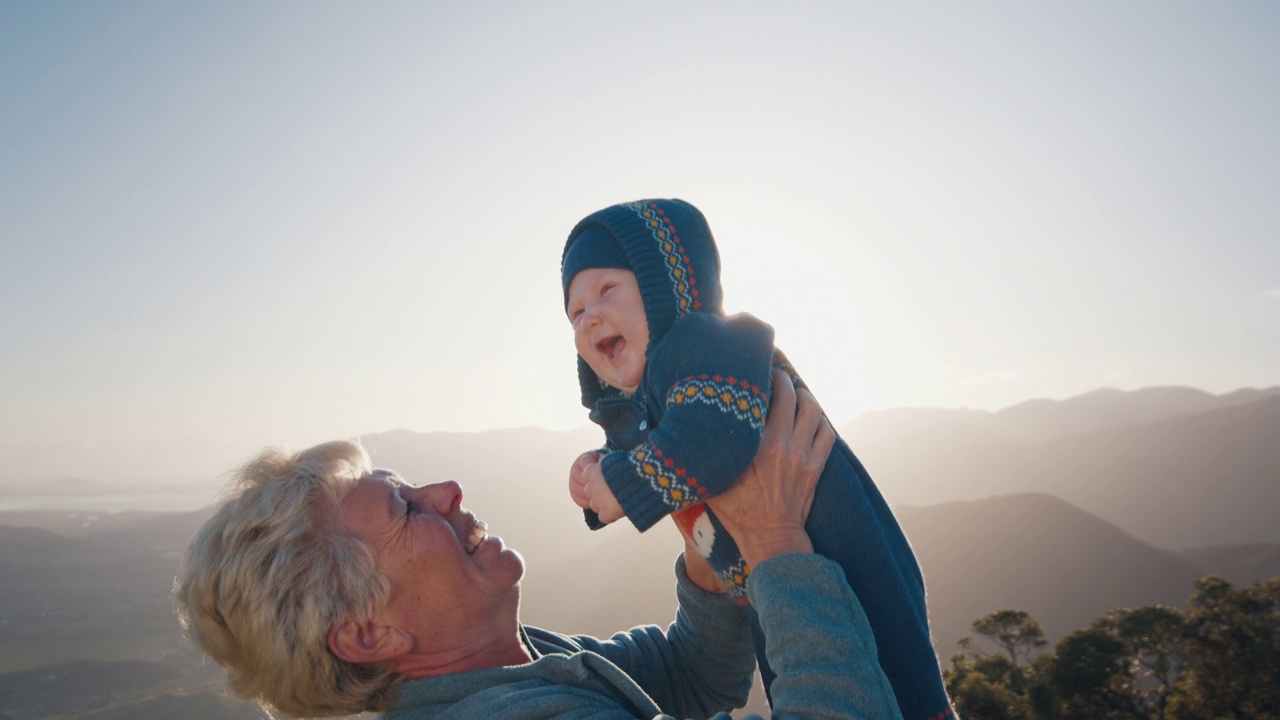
325,587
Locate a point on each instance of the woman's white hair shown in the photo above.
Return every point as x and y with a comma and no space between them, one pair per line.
270,572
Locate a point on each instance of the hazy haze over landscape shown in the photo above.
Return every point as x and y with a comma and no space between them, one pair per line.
86,603
239,224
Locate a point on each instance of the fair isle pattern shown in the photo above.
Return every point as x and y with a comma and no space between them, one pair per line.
673,254
734,580
677,488
737,397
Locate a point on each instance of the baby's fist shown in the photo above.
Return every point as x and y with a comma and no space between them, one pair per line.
578,478
599,497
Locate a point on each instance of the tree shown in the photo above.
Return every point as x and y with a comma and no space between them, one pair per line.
982,688
1218,660
1154,638
1233,669
1087,675
1125,665
1013,630
992,686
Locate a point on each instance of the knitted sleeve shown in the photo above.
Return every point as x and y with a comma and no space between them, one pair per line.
702,663
712,375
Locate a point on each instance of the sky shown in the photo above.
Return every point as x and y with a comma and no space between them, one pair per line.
236,224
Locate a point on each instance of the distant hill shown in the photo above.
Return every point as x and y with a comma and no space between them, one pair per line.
73,688
1179,478
1108,408
194,706
64,486
1038,553
516,480
1240,564
99,597
136,465
1035,420
629,580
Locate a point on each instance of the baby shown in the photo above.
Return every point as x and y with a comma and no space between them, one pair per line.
682,391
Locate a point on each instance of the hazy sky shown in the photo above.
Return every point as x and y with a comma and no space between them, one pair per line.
247,223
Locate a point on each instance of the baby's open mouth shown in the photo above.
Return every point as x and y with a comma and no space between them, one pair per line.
609,346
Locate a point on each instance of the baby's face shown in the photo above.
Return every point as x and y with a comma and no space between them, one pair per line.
610,328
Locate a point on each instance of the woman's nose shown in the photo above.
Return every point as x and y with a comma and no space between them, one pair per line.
443,496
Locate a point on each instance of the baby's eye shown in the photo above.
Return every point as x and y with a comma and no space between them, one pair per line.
410,508
607,287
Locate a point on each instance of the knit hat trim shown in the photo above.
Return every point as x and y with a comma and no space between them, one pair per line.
594,248
679,270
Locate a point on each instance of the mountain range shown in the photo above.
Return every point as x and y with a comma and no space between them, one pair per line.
1176,467
1064,509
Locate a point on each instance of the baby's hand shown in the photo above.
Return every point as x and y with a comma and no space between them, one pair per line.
578,480
599,497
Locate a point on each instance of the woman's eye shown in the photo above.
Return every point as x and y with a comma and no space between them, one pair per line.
410,508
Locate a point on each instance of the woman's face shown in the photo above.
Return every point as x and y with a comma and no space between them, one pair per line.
446,572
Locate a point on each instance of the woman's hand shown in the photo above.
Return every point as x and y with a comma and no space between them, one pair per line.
765,510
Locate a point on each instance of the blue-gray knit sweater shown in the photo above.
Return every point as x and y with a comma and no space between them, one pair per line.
700,667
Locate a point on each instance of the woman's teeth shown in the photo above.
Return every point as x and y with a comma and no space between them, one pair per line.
479,532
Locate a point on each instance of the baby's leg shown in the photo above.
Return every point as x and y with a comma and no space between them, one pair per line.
852,524
705,533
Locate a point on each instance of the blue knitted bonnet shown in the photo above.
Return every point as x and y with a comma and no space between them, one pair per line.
669,247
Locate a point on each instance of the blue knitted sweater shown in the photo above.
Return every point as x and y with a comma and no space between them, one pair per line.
693,426
698,668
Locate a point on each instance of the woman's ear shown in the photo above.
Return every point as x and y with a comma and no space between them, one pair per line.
367,641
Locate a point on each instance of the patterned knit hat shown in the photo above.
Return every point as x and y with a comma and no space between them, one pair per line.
592,248
669,247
